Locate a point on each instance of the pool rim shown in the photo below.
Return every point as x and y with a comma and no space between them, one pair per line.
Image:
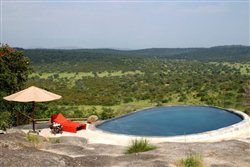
245,120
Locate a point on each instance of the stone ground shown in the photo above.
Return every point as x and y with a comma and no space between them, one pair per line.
15,150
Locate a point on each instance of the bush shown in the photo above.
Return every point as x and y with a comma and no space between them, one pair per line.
166,100
193,160
128,99
5,120
141,145
91,111
78,113
158,104
107,113
183,98
247,111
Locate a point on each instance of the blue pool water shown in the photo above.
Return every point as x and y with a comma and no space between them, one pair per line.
171,121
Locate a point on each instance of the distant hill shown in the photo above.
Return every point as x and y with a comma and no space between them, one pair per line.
218,53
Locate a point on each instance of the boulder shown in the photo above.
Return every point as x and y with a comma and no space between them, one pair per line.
91,119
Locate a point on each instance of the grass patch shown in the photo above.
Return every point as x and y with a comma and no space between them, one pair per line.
33,138
139,145
84,141
192,160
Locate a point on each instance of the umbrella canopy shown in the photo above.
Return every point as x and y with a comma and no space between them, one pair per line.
33,94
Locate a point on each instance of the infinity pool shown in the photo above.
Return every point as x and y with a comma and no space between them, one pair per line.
171,121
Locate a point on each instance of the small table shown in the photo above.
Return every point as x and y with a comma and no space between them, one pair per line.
56,128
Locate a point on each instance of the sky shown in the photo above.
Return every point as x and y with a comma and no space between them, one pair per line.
123,24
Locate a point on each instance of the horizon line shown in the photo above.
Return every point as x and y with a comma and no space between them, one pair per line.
120,48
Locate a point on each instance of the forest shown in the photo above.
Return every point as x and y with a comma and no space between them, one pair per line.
108,82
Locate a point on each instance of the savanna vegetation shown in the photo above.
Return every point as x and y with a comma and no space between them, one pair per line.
94,80
109,83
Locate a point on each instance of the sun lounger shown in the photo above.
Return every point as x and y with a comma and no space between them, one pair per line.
67,125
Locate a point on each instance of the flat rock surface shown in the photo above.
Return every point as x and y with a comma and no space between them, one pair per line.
16,150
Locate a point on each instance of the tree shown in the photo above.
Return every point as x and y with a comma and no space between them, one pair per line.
107,113
14,70
247,98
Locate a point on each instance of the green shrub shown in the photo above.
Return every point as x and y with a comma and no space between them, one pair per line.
90,111
128,99
166,100
5,120
158,104
78,113
107,113
247,111
141,145
183,98
193,160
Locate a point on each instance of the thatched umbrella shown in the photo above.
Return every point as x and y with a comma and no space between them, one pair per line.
33,94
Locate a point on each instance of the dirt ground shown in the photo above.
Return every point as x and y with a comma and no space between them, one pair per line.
16,150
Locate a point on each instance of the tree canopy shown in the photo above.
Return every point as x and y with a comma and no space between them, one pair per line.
14,71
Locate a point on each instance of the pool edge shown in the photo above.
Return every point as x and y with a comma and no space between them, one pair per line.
235,131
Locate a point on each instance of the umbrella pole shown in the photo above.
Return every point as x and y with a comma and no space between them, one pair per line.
33,116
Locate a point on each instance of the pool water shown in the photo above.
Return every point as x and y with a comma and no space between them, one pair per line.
171,121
